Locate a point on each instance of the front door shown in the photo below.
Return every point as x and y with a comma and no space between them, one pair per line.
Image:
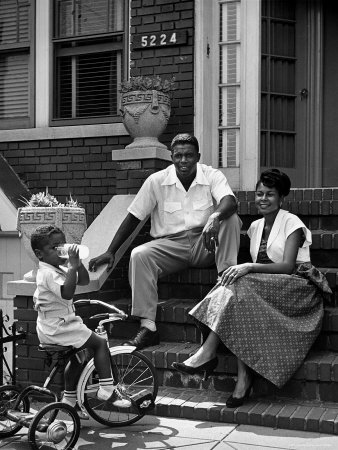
284,89
330,95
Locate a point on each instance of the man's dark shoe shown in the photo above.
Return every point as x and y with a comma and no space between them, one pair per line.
144,338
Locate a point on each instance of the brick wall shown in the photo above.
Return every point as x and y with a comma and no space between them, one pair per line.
83,167
149,16
80,167
130,175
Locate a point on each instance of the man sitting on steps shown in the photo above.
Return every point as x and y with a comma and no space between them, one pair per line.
193,222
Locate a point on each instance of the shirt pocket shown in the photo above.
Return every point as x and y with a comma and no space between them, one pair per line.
202,205
172,212
202,210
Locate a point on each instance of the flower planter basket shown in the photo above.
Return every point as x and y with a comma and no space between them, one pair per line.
72,221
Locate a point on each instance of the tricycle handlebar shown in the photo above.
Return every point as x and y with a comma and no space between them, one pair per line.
83,302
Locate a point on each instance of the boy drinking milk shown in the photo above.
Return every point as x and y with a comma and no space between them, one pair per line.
57,322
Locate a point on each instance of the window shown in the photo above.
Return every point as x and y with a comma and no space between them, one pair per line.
89,58
229,87
16,59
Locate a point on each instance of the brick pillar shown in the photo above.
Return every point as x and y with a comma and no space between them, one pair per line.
30,363
130,175
134,166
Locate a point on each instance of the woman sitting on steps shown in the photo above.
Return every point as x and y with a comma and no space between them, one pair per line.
268,312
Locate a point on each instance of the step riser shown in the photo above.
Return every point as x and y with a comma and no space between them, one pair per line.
316,379
300,389
266,413
176,332
175,325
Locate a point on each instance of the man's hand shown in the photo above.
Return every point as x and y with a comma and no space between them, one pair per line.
210,233
105,258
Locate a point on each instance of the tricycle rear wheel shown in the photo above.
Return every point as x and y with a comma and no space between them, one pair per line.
8,395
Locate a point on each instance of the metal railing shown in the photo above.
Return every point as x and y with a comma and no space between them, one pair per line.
8,334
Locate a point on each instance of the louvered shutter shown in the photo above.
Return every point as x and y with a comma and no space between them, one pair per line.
15,61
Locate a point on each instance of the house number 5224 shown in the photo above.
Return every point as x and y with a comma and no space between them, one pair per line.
154,40
159,39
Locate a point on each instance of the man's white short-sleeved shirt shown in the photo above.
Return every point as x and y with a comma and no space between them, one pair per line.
172,208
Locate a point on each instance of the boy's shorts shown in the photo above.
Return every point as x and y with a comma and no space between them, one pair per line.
68,330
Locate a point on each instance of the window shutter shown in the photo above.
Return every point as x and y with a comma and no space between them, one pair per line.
15,61
14,21
230,55
14,82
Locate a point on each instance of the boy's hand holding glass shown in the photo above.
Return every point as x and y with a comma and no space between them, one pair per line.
73,257
63,251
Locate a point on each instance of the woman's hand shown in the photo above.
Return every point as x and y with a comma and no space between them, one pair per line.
232,273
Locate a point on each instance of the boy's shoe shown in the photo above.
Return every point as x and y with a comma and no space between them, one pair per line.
117,399
70,402
82,414
144,338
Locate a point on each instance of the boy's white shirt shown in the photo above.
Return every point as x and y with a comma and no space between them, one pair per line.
47,296
284,224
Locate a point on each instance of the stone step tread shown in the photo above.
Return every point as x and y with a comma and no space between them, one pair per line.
319,366
176,310
286,413
208,276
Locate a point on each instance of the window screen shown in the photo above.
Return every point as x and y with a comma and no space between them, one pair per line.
89,44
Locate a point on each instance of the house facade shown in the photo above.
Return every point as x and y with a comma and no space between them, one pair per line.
255,82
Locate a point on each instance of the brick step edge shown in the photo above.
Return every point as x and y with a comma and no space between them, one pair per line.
176,310
319,366
285,413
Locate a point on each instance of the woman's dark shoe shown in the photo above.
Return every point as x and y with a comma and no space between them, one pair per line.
235,402
208,368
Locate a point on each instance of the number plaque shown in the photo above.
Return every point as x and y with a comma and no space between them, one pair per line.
162,39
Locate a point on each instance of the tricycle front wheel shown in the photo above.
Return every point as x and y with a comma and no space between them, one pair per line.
55,426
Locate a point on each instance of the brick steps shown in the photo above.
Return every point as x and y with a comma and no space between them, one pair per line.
195,283
316,379
309,401
261,411
176,325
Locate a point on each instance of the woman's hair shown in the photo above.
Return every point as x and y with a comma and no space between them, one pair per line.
274,178
41,235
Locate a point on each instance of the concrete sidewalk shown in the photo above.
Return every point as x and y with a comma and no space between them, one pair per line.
153,432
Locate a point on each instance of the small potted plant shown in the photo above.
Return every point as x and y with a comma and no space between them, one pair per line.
43,208
145,109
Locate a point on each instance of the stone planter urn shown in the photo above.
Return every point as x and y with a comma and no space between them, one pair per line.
71,220
145,115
